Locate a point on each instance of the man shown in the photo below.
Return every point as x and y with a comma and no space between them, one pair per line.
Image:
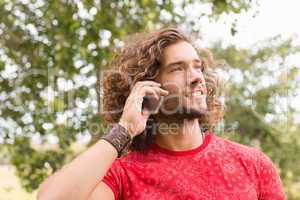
166,95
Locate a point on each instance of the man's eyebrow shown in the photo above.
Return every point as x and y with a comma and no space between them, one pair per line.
180,62
174,63
198,60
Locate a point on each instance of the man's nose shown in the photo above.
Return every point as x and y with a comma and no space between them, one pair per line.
194,76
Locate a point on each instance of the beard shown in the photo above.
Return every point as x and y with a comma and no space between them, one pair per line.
191,113
175,109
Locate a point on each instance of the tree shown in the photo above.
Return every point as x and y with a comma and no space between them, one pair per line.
259,112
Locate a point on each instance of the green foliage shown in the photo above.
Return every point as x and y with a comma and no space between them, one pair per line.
33,166
235,6
259,103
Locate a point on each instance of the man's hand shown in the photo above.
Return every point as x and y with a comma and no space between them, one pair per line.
134,118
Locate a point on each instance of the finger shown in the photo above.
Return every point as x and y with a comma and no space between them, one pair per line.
146,112
163,92
141,84
152,94
155,91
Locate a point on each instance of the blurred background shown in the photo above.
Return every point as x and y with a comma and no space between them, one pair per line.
52,54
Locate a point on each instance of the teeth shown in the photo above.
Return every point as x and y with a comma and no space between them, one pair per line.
198,93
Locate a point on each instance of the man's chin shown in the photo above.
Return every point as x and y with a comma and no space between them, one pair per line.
186,113
193,112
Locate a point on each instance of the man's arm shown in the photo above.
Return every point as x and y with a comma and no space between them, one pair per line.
102,191
270,184
77,179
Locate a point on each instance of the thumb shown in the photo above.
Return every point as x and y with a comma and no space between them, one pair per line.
146,112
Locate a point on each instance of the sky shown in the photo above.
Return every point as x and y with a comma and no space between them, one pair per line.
274,17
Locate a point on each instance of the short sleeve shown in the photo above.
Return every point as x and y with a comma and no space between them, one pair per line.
269,180
114,178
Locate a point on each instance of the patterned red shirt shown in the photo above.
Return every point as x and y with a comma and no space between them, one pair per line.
219,169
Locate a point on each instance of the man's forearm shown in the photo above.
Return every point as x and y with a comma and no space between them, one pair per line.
77,179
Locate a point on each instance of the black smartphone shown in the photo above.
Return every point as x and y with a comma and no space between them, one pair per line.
152,104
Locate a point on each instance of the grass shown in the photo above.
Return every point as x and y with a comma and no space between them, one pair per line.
10,188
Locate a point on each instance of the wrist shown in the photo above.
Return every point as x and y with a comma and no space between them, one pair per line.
126,125
119,137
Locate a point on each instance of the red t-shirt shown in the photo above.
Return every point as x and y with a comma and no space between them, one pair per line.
219,169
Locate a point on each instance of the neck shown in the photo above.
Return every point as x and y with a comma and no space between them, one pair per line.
178,135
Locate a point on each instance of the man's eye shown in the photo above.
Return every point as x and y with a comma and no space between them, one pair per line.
200,67
176,69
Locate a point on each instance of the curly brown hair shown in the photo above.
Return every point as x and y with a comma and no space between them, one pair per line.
139,60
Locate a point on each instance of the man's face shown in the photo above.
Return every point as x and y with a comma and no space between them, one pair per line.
181,73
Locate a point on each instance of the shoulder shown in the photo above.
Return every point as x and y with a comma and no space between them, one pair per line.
241,151
254,160
258,166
